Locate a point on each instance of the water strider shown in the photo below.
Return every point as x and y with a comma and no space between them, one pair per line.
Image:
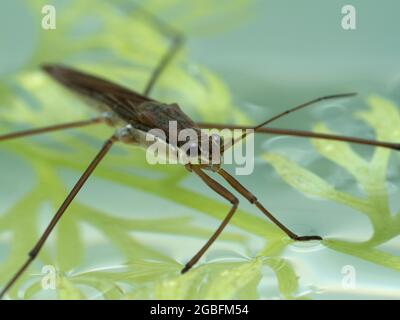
134,115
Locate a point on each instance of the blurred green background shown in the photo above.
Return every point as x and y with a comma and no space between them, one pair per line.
269,55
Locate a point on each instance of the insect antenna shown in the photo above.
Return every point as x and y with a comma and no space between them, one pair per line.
284,113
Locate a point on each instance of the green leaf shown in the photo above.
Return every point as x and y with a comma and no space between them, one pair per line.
384,117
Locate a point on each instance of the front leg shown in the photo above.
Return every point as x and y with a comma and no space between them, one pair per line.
222,191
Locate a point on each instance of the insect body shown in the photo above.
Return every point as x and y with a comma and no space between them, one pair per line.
134,113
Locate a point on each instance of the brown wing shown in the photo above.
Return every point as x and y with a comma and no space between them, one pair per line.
141,111
157,115
119,99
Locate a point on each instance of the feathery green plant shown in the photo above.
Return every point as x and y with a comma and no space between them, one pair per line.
124,46
384,117
123,39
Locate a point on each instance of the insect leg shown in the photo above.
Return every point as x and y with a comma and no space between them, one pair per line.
177,42
228,196
31,132
35,250
253,200
304,134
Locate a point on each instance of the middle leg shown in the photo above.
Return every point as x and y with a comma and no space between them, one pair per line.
253,200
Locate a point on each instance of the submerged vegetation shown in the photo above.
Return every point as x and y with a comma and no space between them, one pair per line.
113,44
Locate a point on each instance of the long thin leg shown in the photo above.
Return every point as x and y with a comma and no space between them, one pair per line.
253,200
165,60
34,252
228,196
176,44
284,113
304,134
31,132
